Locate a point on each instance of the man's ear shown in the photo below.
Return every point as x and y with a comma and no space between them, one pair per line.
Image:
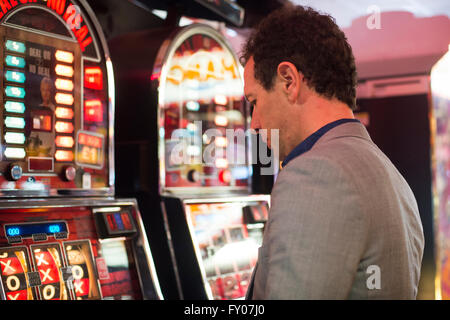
290,79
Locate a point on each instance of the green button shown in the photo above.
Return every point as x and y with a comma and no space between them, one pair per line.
15,92
15,153
14,106
15,76
14,122
13,61
14,138
15,46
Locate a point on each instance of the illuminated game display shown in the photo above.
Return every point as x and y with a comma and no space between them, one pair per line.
55,101
62,234
226,246
205,159
73,252
181,101
201,101
440,77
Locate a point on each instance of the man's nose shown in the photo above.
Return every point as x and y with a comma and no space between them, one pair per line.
255,124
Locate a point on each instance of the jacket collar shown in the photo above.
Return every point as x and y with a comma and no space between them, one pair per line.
335,129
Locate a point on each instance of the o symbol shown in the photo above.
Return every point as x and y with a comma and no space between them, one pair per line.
48,292
77,272
16,285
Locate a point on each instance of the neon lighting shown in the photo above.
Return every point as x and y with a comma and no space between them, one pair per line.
221,121
14,138
240,173
14,122
64,113
221,99
225,176
15,153
62,84
64,56
15,46
221,163
64,142
15,92
64,127
90,140
15,76
93,111
192,106
93,78
63,155
65,71
13,61
13,232
54,228
16,107
221,142
64,98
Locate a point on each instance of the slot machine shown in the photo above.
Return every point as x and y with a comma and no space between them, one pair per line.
440,99
181,93
63,235
407,117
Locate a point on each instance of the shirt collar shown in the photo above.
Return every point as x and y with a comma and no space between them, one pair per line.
309,142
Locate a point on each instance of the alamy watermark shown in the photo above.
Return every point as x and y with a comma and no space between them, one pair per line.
374,19
232,147
374,279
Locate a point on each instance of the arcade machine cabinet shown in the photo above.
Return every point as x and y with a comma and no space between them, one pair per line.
406,116
182,109
440,125
63,235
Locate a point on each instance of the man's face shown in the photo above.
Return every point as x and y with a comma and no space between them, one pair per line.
267,108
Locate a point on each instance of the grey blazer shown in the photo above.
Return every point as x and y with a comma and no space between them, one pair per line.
343,224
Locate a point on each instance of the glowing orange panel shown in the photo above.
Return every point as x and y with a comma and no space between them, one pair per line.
93,78
65,71
64,142
64,113
221,99
221,163
220,120
221,142
62,84
64,127
63,155
64,98
64,56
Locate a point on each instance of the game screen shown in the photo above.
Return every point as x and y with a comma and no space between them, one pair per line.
54,102
226,246
62,258
203,117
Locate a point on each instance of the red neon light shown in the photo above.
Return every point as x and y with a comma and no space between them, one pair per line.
90,140
93,78
93,111
64,127
64,113
63,155
64,142
71,15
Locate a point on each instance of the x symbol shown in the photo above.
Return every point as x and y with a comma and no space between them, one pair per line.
46,274
7,266
41,259
78,286
11,297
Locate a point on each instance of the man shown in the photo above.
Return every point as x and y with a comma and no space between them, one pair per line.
343,224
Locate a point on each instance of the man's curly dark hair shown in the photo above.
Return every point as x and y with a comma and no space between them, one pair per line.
311,41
